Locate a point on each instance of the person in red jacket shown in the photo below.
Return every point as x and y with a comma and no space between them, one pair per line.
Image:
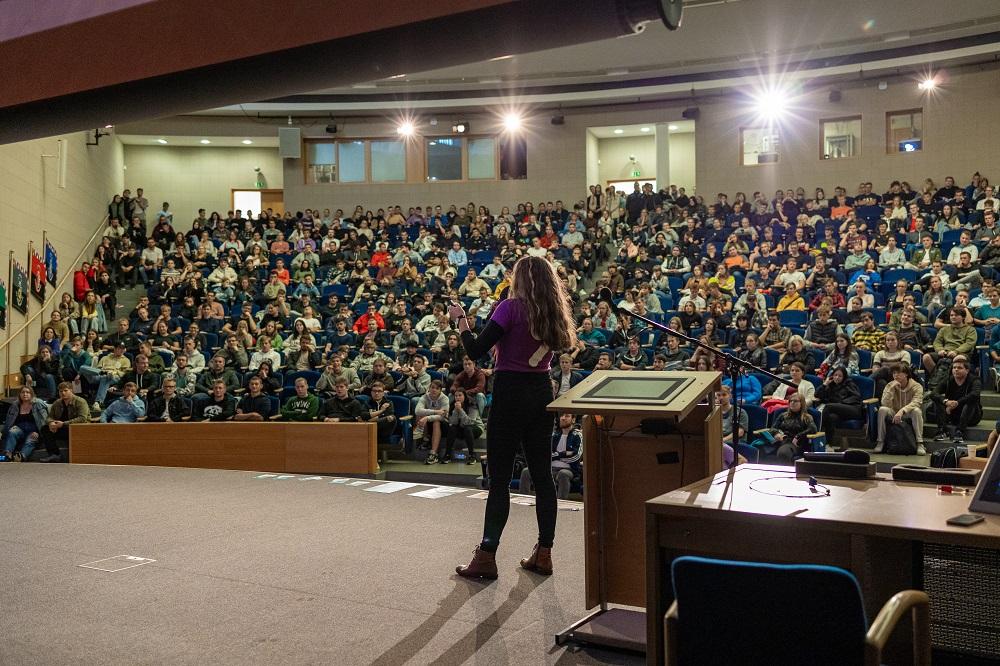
83,281
369,321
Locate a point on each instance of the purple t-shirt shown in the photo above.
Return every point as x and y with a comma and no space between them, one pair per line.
517,350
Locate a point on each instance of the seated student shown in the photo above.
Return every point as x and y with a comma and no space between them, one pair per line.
797,353
748,389
563,376
868,336
843,355
957,338
41,373
902,399
753,353
956,403
265,353
255,405
23,425
335,370
380,374
567,452
463,421
145,380
341,406
129,408
303,406
821,332
632,358
675,357
724,400
792,300
217,370
841,401
167,405
234,354
431,413
219,405
776,393
381,412
790,432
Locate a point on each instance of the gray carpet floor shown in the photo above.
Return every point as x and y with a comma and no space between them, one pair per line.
264,570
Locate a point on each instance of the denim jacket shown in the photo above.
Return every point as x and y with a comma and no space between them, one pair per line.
39,410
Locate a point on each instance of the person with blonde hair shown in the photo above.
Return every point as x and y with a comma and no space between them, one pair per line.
534,323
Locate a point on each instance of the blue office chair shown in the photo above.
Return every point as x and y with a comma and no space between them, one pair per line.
723,612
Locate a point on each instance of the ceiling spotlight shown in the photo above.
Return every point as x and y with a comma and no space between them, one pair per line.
927,84
161,141
672,128
108,126
771,103
406,128
643,129
512,122
619,130
205,142
247,142
460,127
331,128
883,85
558,120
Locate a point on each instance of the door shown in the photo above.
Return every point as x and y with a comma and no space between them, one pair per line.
258,200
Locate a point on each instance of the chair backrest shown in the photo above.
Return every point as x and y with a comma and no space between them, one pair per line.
756,417
724,609
866,386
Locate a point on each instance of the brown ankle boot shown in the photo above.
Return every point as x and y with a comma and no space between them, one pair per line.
483,565
540,561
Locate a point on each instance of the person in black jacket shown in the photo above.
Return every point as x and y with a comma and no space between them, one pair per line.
220,406
341,407
166,405
255,405
841,401
956,402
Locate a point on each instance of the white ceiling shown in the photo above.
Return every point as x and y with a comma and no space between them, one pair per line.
196,141
725,38
608,132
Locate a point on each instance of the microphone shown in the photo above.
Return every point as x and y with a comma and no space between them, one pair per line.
850,456
608,297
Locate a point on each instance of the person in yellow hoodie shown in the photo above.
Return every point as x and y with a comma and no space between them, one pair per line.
902,399
792,300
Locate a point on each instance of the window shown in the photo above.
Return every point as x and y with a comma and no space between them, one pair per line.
321,163
758,145
840,138
513,157
388,161
444,159
482,158
904,131
352,161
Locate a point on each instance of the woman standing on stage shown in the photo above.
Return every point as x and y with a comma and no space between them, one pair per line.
526,328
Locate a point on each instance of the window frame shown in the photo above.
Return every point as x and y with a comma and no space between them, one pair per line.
840,119
740,150
888,129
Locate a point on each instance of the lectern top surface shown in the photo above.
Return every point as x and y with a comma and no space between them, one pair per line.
665,393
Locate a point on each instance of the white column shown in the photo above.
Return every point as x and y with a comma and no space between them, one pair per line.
662,156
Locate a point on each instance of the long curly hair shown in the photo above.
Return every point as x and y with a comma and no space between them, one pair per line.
534,282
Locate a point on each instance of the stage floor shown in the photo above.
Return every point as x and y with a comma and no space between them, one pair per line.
261,568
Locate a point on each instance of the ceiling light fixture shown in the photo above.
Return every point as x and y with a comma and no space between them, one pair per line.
643,129
673,128
247,142
406,128
512,122
205,142
619,130
927,84
161,141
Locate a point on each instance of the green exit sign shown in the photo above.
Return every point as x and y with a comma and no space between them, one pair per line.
636,173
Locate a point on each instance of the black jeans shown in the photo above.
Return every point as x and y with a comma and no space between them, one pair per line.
518,419
968,415
468,435
835,413
52,440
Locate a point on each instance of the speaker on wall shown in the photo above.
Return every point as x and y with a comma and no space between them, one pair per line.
290,142
691,113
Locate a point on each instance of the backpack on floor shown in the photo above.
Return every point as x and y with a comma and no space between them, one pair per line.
900,439
948,458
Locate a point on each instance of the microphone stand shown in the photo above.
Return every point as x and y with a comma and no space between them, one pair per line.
736,367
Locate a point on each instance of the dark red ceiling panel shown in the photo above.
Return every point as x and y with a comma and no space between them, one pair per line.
165,57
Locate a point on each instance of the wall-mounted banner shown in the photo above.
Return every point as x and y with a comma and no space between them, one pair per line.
37,276
3,305
19,288
51,264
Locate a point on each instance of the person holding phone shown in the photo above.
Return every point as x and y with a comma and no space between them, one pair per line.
526,329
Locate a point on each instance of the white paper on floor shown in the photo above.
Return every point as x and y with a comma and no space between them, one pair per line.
437,492
117,563
525,500
340,481
359,483
265,476
480,495
391,487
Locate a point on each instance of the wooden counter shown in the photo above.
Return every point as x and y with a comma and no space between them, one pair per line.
313,448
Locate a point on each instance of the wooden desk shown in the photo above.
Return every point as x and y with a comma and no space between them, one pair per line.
280,446
892,536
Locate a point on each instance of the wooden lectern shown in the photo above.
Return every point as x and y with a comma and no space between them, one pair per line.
644,434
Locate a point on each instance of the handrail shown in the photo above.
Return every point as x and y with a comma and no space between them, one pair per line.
56,290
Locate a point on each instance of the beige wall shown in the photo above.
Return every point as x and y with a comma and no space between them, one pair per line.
197,177
31,202
615,163
960,121
682,160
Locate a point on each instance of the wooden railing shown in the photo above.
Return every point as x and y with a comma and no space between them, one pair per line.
67,274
